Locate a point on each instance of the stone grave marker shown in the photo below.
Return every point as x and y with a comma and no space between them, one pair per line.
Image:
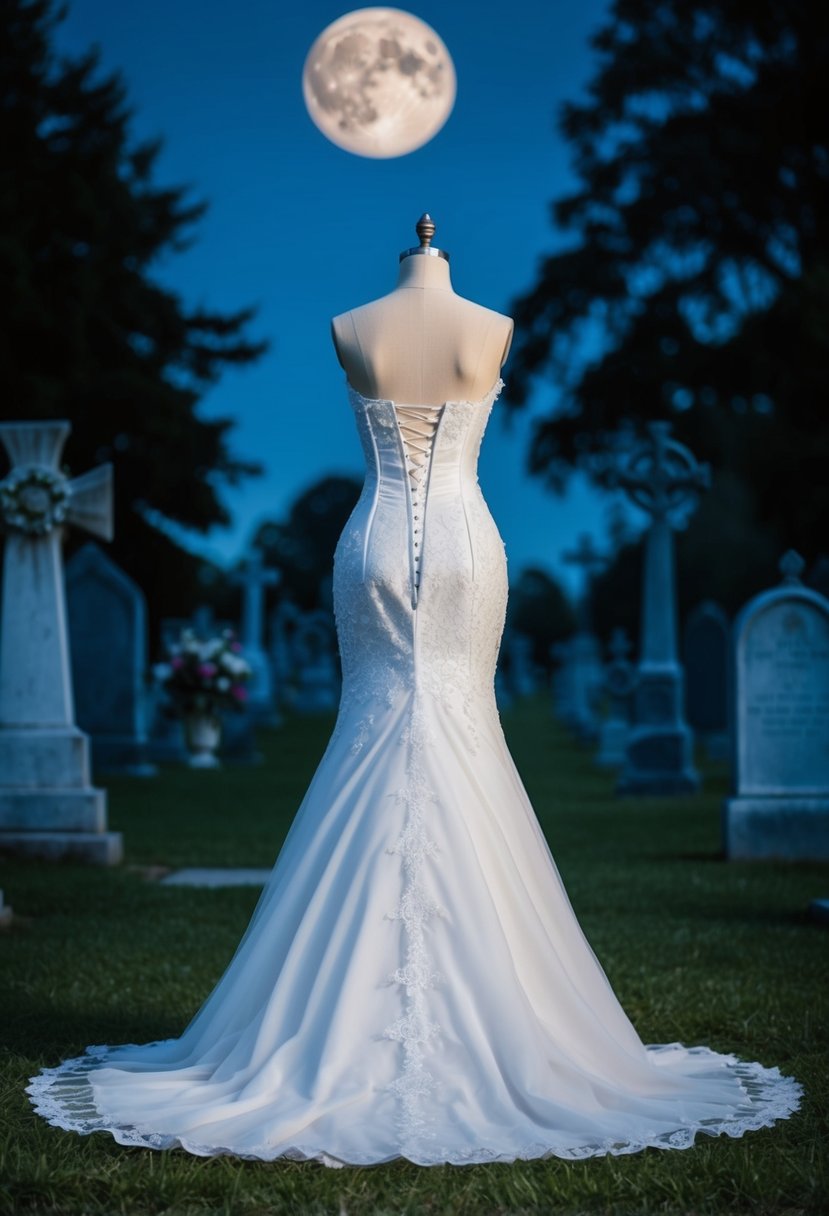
584,676
108,643
522,673
48,808
620,680
317,677
779,701
254,579
662,478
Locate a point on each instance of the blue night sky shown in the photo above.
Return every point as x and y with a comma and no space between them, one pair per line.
305,230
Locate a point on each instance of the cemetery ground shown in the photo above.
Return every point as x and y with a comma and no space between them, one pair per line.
697,949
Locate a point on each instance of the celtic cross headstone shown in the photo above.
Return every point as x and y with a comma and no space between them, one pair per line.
254,578
47,806
664,479
586,557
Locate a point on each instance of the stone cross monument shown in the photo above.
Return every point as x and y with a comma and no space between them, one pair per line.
619,683
664,479
590,561
584,657
47,806
254,578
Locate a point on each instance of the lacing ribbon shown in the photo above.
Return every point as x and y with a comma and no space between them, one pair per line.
418,424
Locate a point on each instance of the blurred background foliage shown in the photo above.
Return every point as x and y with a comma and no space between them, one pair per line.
693,284
88,332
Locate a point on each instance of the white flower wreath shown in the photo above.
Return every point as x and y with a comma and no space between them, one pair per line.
34,500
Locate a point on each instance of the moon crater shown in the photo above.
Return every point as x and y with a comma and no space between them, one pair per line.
379,82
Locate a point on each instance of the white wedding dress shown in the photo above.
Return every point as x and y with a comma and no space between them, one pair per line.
413,981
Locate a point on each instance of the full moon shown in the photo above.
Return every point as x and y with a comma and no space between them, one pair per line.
379,82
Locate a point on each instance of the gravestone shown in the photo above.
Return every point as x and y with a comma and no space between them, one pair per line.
560,684
521,671
581,681
584,656
779,700
283,623
705,663
254,579
316,672
108,643
619,683
662,478
48,808
5,913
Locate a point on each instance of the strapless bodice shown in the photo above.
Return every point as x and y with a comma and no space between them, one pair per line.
416,453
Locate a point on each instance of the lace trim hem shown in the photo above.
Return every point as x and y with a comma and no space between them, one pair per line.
62,1096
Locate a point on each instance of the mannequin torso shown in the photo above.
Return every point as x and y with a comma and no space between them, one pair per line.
422,343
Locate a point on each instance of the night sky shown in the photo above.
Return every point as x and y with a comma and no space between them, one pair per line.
305,230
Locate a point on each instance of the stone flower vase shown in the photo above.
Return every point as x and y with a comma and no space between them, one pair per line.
202,735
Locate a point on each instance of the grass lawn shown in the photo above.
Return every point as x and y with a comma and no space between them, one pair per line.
697,950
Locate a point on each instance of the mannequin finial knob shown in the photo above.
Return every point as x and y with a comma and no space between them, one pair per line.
425,229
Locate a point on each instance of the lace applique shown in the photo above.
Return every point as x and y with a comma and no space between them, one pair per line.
413,1029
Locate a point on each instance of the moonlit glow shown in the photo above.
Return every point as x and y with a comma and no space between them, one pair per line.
379,82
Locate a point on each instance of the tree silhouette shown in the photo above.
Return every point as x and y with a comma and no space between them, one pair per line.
695,281
89,334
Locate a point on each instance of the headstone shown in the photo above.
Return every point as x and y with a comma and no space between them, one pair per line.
317,678
780,706
108,643
705,663
560,683
48,808
582,680
521,670
254,579
620,681
283,623
203,623
5,913
584,657
662,478
586,558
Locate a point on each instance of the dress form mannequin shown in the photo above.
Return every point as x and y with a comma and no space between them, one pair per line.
422,343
